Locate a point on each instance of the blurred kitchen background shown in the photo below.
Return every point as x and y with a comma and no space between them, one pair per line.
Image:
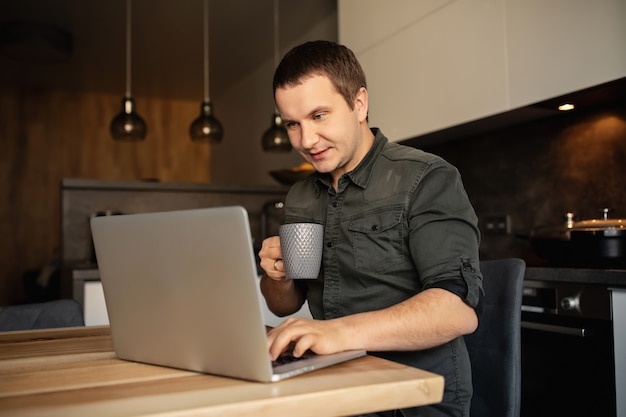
476,82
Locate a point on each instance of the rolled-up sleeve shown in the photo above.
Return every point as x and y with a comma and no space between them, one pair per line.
444,234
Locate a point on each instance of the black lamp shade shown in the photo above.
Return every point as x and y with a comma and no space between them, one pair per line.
128,125
276,139
206,127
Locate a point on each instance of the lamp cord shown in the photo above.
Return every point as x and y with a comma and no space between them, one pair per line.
276,33
128,44
276,43
206,50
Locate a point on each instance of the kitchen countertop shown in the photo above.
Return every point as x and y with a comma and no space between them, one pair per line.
156,185
612,277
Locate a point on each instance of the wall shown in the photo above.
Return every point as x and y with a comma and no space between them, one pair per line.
46,136
538,171
246,111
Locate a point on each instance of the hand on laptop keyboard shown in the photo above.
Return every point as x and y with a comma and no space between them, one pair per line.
287,357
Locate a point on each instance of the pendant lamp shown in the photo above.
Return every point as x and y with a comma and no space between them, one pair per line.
206,127
275,139
128,125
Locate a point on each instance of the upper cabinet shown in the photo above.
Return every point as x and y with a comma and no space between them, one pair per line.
434,64
557,47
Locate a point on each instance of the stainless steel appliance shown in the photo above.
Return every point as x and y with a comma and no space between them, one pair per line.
568,359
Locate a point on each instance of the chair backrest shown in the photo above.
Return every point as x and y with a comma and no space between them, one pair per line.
495,347
50,314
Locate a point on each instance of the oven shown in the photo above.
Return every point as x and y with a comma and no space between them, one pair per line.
568,360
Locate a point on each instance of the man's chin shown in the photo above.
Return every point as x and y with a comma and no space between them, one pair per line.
322,169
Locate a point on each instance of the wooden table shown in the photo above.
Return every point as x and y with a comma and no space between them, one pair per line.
74,372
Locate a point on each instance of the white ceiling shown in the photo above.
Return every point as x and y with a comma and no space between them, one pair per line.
166,43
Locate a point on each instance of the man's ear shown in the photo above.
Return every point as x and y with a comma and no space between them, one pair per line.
361,103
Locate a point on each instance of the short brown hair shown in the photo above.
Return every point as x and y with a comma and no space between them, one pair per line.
330,59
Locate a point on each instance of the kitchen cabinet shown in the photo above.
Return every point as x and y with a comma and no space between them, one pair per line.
560,46
435,64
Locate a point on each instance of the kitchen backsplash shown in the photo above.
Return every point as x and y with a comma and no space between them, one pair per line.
538,171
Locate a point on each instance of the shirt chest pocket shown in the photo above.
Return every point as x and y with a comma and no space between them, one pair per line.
377,239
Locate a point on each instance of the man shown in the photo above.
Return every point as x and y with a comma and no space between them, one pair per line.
400,271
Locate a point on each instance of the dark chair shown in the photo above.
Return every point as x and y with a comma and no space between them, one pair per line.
50,314
495,347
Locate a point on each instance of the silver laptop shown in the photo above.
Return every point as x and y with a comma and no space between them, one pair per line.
180,291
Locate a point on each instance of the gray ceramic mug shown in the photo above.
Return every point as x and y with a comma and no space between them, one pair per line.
301,245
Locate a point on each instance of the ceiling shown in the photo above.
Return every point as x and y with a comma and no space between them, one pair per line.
167,43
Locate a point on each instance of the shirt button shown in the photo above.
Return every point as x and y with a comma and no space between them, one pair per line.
375,227
335,204
329,244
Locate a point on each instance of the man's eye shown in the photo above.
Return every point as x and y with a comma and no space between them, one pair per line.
319,116
291,125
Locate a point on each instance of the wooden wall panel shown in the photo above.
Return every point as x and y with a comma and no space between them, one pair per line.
46,136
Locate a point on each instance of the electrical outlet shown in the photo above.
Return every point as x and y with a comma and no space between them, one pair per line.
497,225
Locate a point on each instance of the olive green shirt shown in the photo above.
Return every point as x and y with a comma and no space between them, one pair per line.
399,223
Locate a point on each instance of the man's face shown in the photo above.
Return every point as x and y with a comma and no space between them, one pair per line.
322,127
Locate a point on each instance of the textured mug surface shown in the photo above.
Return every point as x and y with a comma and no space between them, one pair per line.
301,244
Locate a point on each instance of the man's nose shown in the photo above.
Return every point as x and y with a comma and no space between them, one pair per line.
309,136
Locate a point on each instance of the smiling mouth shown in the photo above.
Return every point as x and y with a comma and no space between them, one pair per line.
318,155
